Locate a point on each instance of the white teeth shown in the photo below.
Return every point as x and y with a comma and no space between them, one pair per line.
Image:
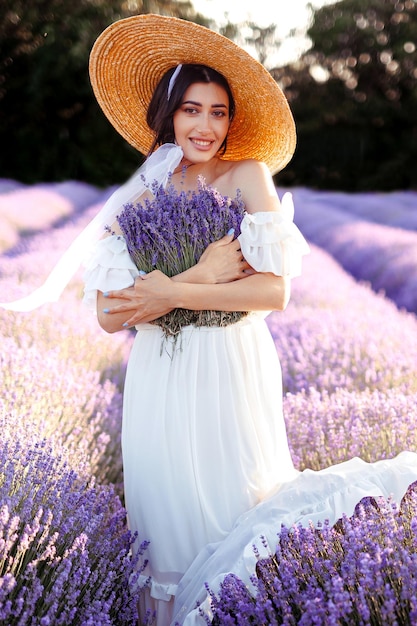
201,142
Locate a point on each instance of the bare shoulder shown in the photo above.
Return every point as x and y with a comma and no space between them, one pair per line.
256,185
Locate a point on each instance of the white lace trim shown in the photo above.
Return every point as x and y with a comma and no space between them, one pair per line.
271,242
158,591
110,267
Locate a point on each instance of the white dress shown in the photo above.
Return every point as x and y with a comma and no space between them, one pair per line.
203,435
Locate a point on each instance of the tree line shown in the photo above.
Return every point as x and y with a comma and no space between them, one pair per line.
353,94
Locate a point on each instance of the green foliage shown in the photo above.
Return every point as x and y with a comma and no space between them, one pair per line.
51,127
353,94
354,97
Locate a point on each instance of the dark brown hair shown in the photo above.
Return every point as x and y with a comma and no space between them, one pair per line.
161,109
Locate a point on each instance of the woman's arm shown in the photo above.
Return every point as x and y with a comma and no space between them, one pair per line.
155,294
221,262
259,292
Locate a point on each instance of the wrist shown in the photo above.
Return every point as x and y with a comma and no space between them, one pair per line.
203,274
198,274
177,293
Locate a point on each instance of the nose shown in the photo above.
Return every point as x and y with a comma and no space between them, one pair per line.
204,126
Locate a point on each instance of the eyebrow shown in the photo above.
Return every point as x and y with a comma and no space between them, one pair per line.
213,106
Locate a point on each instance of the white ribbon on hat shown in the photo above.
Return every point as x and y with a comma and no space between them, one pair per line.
157,167
173,79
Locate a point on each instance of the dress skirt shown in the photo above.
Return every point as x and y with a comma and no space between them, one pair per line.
197,453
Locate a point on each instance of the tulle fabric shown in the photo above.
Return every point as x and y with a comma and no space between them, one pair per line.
312,497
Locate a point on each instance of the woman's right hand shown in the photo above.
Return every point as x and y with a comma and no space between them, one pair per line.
222,261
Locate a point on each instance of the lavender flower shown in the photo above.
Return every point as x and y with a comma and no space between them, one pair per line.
330,336
171,231
360,571
65,551
66,402
324,429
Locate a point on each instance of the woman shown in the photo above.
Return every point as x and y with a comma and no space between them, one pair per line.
203,432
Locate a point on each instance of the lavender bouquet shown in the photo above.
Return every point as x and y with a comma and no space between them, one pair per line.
171,231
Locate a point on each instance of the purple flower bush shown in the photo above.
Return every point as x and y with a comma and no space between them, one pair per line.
337,333
170,233
77,410
360,571
328,428
348,358
64,543
382,254
64,547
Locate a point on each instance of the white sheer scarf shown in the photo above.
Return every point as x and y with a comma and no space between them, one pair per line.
157,167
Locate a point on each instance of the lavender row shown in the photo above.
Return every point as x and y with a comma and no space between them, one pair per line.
397,208
384,256
337,333
348,360
360,571
27,210
65,547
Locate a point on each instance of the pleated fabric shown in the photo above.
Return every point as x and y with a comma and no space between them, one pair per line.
197,452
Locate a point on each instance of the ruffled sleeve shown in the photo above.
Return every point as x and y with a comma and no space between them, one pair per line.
109,267
271,242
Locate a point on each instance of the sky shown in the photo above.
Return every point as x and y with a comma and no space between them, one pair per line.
285,14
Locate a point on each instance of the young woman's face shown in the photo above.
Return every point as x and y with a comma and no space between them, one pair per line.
202,121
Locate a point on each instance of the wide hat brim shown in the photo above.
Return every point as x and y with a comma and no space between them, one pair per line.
130,57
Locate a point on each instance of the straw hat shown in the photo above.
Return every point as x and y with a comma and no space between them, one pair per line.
130,57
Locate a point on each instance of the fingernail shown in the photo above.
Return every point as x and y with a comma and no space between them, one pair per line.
231,231
106,310
105,294
125,324
141,272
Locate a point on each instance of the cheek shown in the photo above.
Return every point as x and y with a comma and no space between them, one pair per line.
225,129
180,126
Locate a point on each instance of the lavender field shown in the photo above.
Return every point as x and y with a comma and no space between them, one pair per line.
348,348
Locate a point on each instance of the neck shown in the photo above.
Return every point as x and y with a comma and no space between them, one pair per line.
184,165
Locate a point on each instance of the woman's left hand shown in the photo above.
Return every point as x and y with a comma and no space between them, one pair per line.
150,297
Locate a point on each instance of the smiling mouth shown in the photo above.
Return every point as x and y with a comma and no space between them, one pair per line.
202,142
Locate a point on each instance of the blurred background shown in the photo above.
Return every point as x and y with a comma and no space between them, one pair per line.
350,78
